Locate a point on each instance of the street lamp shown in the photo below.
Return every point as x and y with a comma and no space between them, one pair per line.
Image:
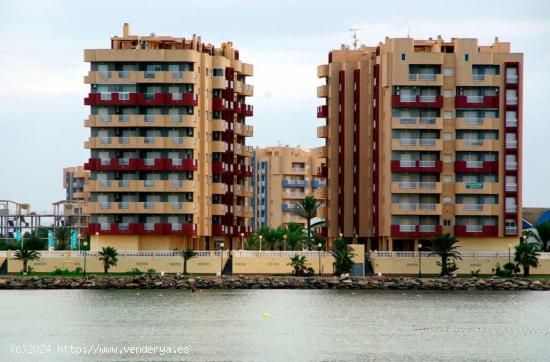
341,235
242,241
85,244
79,238
261,237
356,239
221,258
509,253
319,246
284,240
419,261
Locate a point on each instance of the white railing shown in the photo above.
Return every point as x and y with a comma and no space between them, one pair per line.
511,187
407,120
105,96
511,208
511,144
428,254
104,205
274,254
427,98
511,100
426,163
474,121
407,98
474,228
473,207
407,185
474,99
407,142
123,74
129,253
510,230
407,163
105,140
407,207
149,117
511,166
426,228
123,96
407,228
473,142
511,122
511,79
474,164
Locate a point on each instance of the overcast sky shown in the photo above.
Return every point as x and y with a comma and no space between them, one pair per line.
42,68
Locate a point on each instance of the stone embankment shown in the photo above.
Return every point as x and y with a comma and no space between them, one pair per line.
268,282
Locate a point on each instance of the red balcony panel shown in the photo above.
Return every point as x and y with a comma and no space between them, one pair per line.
151,99
397,167
186,230
396,232
186,99
186,165
487,167
322,171
487,102
246,230
217,230
94,99
157,230
487,230
219,104
322,111
159,164
418,102
243,170
219,167
247,110
237,107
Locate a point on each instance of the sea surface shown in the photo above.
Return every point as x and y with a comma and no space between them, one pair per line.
273,325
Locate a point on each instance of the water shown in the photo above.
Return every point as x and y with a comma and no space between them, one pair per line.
301,325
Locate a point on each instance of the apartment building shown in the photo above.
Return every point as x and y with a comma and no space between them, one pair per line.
284,175
169,163
423,137
74,179
72,208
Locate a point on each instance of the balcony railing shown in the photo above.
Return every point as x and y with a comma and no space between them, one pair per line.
417,142
406,100
407,207
511,187
511,208
474,228
474,164
407,228
416,166
511,123
415,230
423,76
473,207
476,101
512,144
511,101
510,230
478,77
473,142
427,207
474,121
470,166
511,166
511,79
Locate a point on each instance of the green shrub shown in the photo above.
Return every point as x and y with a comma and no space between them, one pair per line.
135,271
474,273
78,270
59,271
151,271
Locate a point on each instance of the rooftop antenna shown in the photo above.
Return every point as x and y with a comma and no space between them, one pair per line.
354,36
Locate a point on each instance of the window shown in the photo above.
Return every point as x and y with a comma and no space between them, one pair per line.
447,158
466,57
447,200
448,93
403,56
447,136
447,179
448,72
446,222
447,115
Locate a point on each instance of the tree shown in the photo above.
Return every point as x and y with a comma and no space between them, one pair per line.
62,237
295,235
307,209
26,255
342,254
300,267
34,243
445,247
186,254
531,236
527,256
109,256
271,238
544,233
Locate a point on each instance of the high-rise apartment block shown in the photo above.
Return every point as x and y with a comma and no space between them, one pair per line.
169,164
284,175
74,179
423,137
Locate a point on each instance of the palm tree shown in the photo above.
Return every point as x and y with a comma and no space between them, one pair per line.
342,254
526,255
307,209
531,236
271,238
299,266
109,256
26,255
544,232
186,254
62,236
295,235
445,246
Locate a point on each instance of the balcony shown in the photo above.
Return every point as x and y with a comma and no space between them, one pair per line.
511,209
139,164
141,99
142,229
476,144
219,146
476,230
477,123
243,129
416,209
511,101
243,170
322,111
322,132
322,71
416,187
476,101
422,101
511,123
219,104
477,209
419,144
417,123
219,167
219,209
512,79
321,152
511,230
141,120
320,193
322,91
239,230
244,109
424,77
476,166
511,187
477,187
511,166
435,166
321,231
511,144
219,230
415,231
322,172
294,183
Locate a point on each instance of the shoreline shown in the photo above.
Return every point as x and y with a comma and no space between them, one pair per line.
10,282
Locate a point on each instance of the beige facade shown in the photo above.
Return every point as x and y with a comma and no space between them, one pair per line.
284,175
169,163
423,137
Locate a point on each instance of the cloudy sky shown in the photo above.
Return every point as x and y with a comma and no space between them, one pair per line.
42,69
